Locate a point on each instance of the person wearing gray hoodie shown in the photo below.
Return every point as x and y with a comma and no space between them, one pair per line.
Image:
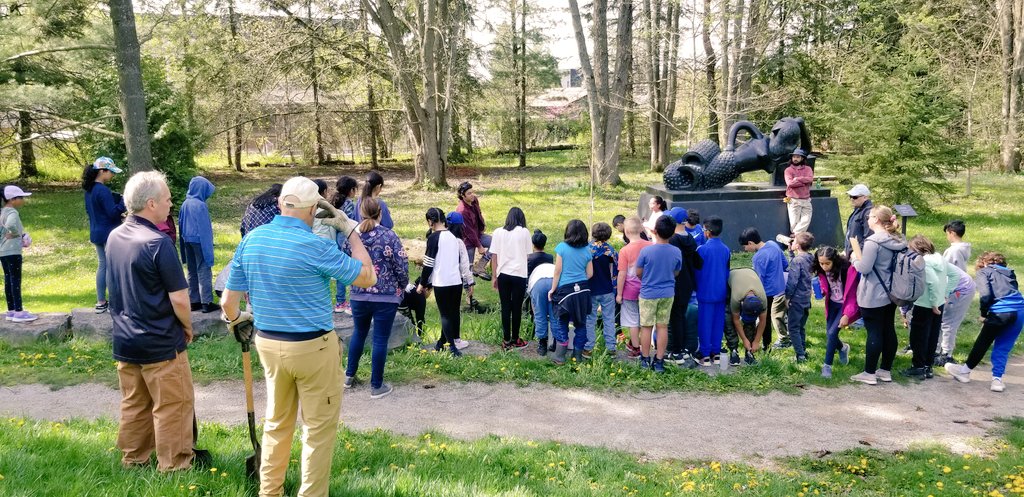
876,308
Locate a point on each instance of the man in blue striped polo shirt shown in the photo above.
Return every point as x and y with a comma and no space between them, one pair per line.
287,271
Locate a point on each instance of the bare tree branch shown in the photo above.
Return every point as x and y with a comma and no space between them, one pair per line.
41,51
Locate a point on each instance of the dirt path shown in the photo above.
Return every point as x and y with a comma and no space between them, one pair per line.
736,427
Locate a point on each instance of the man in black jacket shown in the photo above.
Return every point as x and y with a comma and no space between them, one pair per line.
857,224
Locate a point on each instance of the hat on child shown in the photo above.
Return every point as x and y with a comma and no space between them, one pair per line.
801,152
12,192
300,192
106,163
859,190
750,308
454,218
679,214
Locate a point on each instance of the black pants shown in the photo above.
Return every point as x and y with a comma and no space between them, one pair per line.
881,341
12,281
678,331
511,291
448,300
925,328
414,307
766,336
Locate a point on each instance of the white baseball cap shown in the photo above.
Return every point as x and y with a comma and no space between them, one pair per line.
859,190
300,192
12,192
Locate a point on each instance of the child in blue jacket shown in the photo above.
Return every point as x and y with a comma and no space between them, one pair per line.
798,291
712,291
195,235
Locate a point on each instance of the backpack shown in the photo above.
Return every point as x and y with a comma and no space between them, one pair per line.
906,278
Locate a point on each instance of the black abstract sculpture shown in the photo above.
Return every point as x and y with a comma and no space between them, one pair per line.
707,167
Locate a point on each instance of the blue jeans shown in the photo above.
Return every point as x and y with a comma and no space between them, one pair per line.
101,273
340,295
382,314
200,276
832,341
543,313
797,321
607,303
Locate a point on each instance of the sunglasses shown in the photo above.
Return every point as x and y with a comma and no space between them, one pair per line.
855,197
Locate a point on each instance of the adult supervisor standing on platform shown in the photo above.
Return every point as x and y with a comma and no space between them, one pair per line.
287,271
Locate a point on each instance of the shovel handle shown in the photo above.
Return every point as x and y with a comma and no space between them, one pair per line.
247,373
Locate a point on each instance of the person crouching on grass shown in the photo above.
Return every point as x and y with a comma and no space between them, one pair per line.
657,268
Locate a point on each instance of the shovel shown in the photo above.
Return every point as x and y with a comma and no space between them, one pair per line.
252,463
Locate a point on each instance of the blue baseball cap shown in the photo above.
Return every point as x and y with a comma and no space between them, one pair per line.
801,152
454,218
750,308
106,163
679,214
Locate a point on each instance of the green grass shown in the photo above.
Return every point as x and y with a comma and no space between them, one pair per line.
59,272
379,463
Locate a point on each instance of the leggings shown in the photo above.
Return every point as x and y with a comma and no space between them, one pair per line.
511,290
101,273
448,300
12,281
881,341
1003,338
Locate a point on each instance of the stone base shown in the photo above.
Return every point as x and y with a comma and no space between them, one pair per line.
402,331
49,326
85,323
758,205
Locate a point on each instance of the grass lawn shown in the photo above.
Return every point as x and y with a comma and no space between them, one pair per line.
382,464
60,267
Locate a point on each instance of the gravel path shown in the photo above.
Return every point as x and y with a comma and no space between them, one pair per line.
735,427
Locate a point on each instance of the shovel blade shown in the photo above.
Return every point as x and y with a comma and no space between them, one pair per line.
252,465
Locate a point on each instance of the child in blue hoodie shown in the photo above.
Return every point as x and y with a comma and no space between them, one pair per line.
712,291
798,291
195,234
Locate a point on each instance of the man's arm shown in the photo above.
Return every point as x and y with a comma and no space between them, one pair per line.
367,276
229,303
737,325
183,311
762,321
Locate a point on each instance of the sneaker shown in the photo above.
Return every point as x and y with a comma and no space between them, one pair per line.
782,345
506,346
928,373
734,358
587,354
716,359
749,358
676,357
826,371
958,372
907,350
23,317
800,359
100,308
455,351
350,381
844,354
542,347
461,344
632,351
659,366
689,362
197,306
211,307
483,275
10,314
915,372
519,344
382,391
865,378
645,362
950,360
784,240
997,385
343,307
884,375
706,362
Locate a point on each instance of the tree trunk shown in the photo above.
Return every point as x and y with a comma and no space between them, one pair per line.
726,97
236,107
132,98
606,89
1009,143
227,136
752,37
522,86
28,156
314,77
370,103
710,63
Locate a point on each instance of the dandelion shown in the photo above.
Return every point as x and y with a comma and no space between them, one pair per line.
946,469
213,470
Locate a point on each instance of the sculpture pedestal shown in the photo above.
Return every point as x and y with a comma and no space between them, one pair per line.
758,205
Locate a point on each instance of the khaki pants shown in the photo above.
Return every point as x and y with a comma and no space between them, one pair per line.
308,374
157,407
780,308
799,214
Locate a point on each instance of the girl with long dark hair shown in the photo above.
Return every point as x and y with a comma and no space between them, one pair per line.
372,188
105,210
262,209
442,274
510,248
838,279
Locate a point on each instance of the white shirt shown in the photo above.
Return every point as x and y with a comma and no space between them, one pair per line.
512,249
651,221
540,272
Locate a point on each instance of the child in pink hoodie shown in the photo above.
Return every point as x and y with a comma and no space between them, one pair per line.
839,281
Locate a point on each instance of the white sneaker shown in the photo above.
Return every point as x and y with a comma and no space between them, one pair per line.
997,385
959,372
865,378
461,344
884,375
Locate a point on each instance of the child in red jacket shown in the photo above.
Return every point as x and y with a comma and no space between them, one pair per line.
838,279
